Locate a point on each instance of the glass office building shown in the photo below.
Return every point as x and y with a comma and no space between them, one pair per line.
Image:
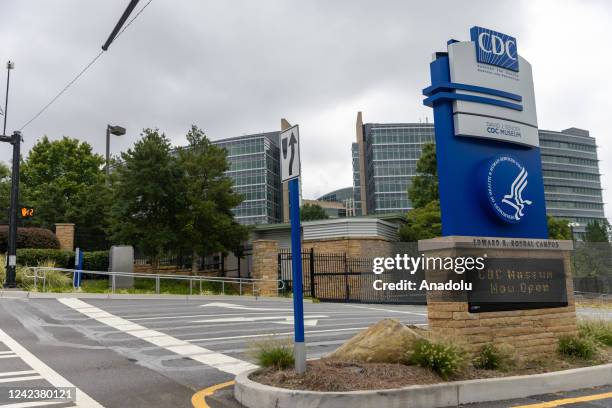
571,176
388,153
255,169
339,195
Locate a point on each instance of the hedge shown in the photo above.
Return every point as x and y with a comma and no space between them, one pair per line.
29,238
92,261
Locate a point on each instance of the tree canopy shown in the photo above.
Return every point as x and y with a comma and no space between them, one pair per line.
558,228
597,231
205,199
5,191
424,186
177,201
64,181
144,209
424,220
312,212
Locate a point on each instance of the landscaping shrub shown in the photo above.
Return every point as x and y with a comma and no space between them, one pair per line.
92,261
599,330
274,353
95,261
491,357
441,357
36,257
582,347
29,238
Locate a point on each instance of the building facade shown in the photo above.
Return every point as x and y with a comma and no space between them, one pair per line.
572,183
384,163
387,153
344,196
255,169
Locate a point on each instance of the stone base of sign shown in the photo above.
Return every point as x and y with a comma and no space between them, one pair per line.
531,332
265,266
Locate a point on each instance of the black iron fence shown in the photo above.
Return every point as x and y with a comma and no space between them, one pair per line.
334,277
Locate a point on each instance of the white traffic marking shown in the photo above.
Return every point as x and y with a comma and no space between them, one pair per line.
388,310
18,379
248,336
307,322
240,307
285,319
50,375
211,358
12,373
6,352
9,356
271,335
36,404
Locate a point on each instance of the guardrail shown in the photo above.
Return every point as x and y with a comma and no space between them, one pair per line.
40,273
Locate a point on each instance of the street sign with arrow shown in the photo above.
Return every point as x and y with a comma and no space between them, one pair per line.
290,153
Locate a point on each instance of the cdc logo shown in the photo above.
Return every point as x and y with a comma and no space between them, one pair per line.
506,188
495,48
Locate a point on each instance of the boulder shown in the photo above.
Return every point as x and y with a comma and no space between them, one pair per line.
385,342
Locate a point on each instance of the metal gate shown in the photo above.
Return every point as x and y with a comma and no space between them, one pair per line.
333,277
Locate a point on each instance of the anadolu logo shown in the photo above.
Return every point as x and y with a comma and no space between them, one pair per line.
507,181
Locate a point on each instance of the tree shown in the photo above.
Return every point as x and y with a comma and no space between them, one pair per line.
206,199
597,231
593,257
422,223
558,228
312,212
5,191
424,186
63,180
145,197
424,220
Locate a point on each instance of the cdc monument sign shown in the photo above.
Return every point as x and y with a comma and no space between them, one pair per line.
487,139
492,202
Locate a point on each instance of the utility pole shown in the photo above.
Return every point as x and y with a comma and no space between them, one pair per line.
9,65
15,140
11,260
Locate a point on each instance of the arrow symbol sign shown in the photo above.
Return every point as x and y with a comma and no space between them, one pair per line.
292,143
290,153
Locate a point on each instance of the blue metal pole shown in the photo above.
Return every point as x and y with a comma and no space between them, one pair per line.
299,348
78,263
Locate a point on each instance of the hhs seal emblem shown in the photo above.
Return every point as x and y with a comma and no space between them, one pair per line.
507,181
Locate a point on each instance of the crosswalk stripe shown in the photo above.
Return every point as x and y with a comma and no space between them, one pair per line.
18,379
211,358
13,373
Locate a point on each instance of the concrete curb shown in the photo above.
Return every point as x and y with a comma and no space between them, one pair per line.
256,395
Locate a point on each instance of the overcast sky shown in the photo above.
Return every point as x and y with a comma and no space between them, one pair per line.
236,67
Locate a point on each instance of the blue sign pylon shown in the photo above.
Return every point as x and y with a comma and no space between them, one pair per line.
299,347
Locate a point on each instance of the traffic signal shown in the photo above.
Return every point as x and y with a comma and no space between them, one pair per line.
27,212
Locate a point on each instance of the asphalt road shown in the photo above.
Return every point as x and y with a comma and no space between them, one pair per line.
159,352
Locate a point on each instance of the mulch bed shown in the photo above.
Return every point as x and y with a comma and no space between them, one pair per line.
333,375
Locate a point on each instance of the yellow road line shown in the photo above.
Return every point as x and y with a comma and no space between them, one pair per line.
566,401
198,399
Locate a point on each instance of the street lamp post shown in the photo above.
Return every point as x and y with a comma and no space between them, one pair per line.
111,130
9,65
